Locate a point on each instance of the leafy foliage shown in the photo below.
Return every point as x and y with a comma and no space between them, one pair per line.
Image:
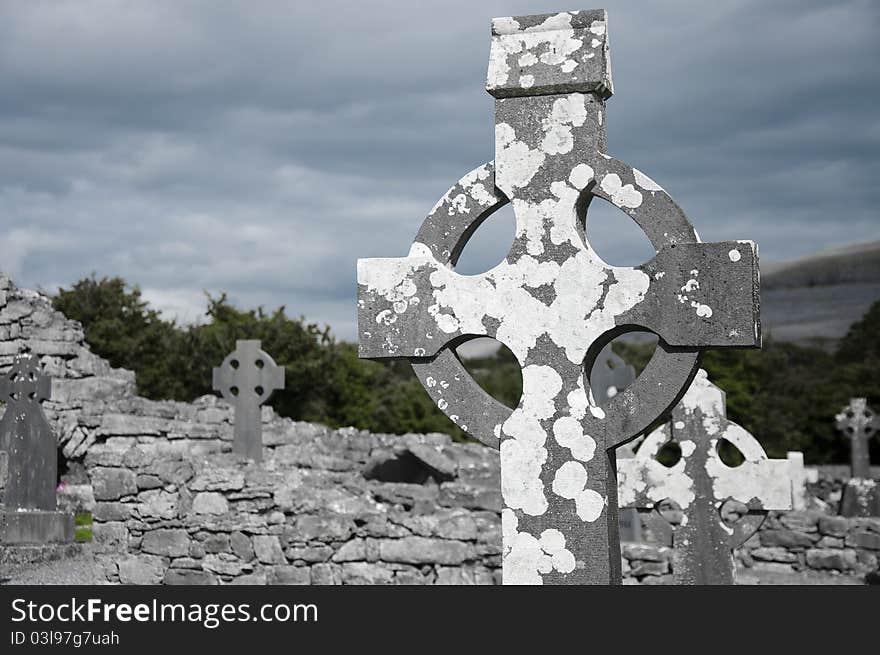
785,394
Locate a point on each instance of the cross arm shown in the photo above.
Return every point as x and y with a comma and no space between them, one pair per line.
400,314
701,295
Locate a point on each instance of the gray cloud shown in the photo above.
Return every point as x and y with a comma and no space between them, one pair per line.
261,148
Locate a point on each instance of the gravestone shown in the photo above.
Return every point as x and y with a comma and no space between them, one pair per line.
609,376
860,497
246,379
553,301
29,460
700,505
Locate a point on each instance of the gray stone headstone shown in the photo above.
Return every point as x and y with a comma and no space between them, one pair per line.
699,504
29,460
859,423
246,379
553,301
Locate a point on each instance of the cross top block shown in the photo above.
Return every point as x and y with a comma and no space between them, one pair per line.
550,53
555,304
25,381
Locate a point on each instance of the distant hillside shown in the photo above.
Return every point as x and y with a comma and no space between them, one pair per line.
852,264
817,297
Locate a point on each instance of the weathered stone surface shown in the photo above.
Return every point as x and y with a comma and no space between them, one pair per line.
168,542
141,569
157,504
835,526
225,564
289,575
113,483
241,546
326,574
362,573
432,457
210,502
841,560
110,536
216,543
321,528
863,539
646,552
189,577
650,568
267,548
421,550
351,551
105,511
785,538
773,554
218,480
803,521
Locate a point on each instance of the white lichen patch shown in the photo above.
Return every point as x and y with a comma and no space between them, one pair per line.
567,112
526,558
569,433
622,195
570,482
523,452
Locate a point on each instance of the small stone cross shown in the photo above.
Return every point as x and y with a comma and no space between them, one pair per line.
705,507
246,378
554,302
861,496
27,438
858,422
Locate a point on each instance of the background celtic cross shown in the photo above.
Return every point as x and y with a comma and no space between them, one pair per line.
553,302
861,497
704,507
246,379
27,438
858,422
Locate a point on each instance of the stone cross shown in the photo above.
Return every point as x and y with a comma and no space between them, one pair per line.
858,422
553,302
703,506
860,496
246,378
29,454
27,439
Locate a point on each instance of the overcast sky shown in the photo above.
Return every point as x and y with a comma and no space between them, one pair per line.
262,147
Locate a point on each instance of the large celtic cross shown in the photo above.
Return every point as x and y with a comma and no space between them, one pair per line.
27,438
246,378
554,302
703,506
